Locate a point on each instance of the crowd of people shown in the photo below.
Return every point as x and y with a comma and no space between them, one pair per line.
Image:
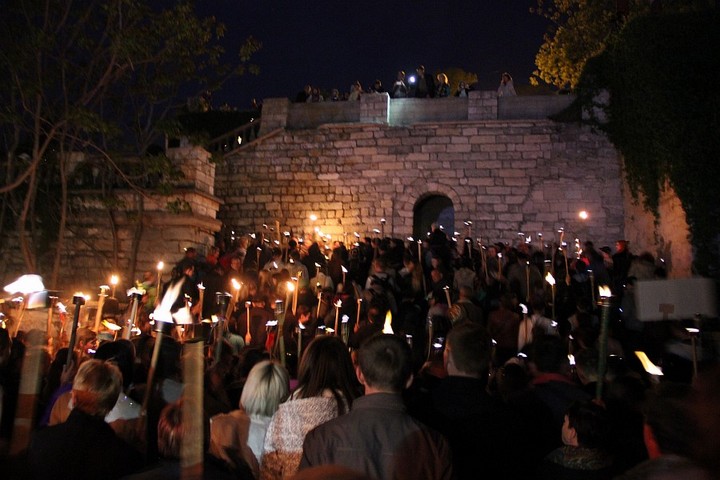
384,358
419,85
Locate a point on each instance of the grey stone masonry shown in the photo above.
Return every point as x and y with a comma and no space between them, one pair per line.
506,176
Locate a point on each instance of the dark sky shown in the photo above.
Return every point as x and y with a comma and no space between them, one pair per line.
332,44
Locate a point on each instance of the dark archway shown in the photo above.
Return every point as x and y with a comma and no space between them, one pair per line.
433,209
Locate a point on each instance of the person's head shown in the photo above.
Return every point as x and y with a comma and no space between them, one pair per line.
401,75
465,292
421,70
621,246
586,425
85,339
548,354
385,364
267,386
187,266
467,351
172,429
506,78
586,365
96,387
326,365
379,265
122,354
442,78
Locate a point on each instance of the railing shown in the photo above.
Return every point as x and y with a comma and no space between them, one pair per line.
235,139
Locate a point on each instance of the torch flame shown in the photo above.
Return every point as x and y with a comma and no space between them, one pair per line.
649,366
605,291
387,327
550,279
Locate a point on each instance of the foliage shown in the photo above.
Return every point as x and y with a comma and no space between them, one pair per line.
179,206
663,116
580,30
456,75
97,77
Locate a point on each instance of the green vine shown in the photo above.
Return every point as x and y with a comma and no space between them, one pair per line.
663,116
179,206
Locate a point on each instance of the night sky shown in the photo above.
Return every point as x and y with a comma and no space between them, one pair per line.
332,44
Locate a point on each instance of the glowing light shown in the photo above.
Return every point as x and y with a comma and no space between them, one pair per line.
290,286
26,284
387,327
648,365
583,214
138,291
313,217
160,266
605,291
550,279
114,280
111,326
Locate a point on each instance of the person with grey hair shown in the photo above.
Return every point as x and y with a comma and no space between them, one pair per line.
85,447
242,431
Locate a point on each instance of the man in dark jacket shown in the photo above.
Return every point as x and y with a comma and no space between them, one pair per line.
85,447
378,437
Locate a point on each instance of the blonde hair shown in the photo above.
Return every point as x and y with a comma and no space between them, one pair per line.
443,77
267,386
96,387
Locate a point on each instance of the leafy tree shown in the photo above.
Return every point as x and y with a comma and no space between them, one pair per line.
99,77
662,115
580,29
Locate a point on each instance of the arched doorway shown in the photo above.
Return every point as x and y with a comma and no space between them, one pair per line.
433,209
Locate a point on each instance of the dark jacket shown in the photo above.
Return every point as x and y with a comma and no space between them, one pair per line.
380,439
84,447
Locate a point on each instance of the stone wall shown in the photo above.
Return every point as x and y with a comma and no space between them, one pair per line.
665,237
381,109
100,239
505,176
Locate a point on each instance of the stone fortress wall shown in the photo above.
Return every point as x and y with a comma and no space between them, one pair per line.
500,162
504,176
